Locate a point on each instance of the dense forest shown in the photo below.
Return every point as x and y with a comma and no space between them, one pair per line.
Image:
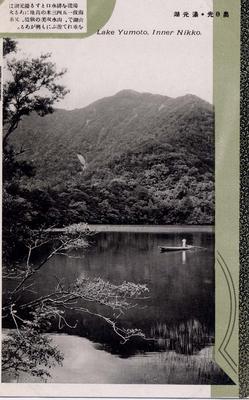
148,159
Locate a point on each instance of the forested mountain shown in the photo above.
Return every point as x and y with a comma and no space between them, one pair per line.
150,159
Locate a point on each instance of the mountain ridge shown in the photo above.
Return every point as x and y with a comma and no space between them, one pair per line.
149,159
118,122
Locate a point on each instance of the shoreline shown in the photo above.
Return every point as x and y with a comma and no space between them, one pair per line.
139,228
152,228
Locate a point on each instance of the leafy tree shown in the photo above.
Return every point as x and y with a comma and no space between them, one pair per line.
29,86
9,46
26,213
32,87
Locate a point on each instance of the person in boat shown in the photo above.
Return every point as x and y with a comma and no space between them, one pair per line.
184,243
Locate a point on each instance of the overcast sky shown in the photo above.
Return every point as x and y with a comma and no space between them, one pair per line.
100,65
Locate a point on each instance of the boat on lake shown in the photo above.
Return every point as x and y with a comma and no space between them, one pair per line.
175,248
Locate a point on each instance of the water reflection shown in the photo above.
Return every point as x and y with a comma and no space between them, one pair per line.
179,313
186,338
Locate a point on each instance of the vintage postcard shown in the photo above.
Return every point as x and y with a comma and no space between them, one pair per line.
120,199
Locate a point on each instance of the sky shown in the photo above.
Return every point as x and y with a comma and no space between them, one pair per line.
102,65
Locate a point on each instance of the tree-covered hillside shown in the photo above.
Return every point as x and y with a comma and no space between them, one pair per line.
150,159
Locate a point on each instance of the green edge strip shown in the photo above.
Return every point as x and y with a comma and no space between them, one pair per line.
226,53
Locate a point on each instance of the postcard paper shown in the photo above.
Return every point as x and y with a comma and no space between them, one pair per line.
120,198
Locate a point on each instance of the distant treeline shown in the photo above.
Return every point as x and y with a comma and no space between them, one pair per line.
153,185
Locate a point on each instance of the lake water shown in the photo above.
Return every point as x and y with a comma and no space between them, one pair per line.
181,284
178,313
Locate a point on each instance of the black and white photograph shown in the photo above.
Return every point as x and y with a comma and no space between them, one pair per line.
109,206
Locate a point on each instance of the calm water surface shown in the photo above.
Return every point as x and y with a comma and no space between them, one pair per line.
181,288
178,313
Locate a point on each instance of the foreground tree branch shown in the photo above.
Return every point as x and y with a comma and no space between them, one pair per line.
33,86
79,297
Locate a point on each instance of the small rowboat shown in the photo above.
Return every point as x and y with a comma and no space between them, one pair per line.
175,248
